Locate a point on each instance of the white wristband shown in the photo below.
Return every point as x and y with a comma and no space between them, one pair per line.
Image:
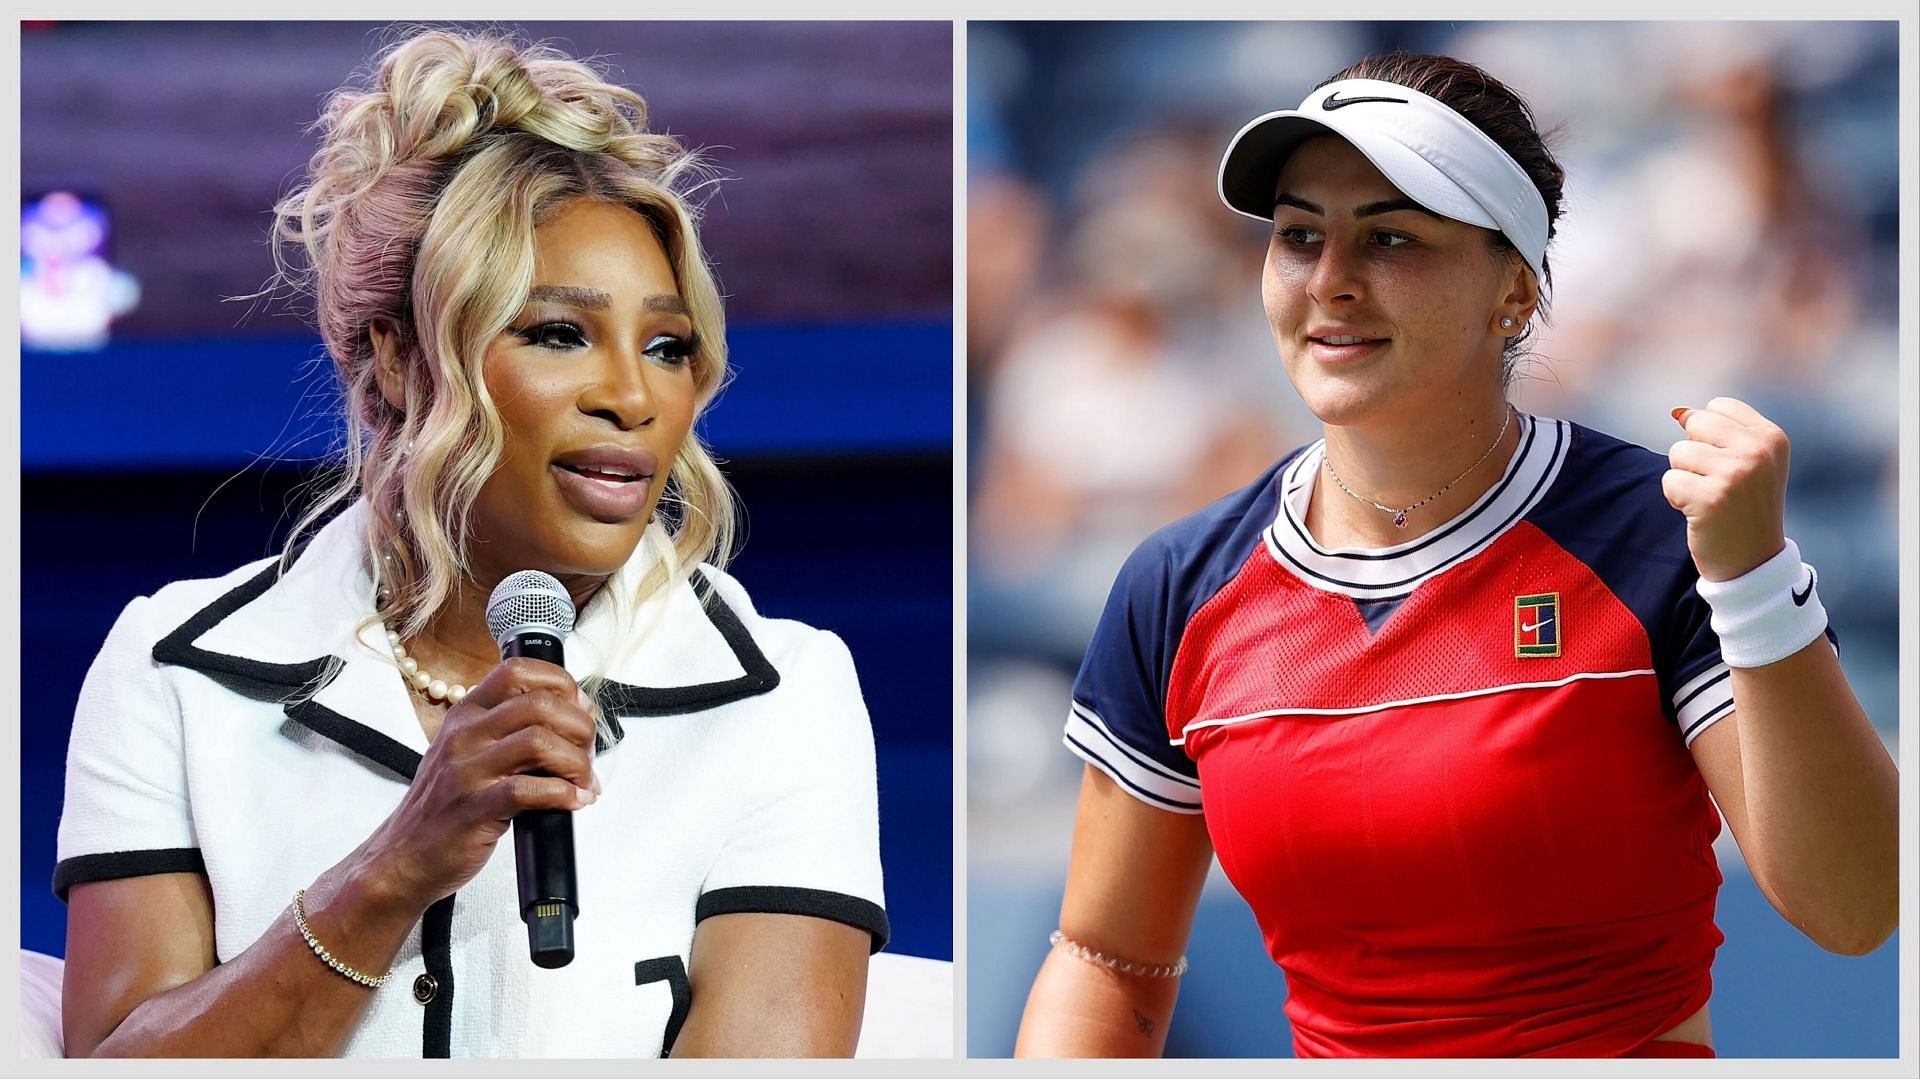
1768,613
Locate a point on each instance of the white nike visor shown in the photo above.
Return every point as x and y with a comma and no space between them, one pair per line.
1434,155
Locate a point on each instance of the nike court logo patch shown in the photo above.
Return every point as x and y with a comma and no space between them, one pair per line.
1534,633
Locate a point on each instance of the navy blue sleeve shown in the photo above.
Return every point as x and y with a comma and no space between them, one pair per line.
1117,721
1703,692
1608,510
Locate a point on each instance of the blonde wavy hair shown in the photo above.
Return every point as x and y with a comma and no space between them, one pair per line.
418,211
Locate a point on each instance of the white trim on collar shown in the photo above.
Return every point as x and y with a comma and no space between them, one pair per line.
1393,572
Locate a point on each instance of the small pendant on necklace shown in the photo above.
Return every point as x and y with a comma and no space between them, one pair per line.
1400,519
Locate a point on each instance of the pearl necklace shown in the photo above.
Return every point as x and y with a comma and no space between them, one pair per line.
1400,515
418,678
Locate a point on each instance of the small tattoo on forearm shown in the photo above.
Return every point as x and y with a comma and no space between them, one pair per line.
1145,1024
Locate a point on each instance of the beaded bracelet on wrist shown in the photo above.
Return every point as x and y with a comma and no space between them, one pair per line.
1125,966
371,981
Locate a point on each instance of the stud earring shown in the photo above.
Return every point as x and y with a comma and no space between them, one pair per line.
1506,322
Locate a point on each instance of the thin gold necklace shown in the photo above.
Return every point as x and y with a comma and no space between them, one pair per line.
1400,515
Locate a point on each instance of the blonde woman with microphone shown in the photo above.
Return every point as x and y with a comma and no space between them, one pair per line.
287,787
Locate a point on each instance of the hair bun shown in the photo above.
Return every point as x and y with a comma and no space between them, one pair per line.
438,94
388,144
443,91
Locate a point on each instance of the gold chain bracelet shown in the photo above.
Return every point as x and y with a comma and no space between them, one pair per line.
300,919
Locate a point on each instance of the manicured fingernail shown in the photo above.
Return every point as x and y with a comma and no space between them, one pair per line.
597,788
1680,414
587,797
585,701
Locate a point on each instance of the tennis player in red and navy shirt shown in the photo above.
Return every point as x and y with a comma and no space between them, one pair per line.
1465,755
1450,777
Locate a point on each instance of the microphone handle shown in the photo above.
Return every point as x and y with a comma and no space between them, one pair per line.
543,848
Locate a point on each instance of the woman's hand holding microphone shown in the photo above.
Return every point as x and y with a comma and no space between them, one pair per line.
525,717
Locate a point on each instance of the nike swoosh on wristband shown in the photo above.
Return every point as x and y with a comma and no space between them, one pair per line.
1335,101
1800,598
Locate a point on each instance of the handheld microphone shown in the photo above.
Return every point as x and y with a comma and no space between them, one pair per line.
530,615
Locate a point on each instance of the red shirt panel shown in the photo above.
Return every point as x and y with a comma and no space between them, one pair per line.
1497,872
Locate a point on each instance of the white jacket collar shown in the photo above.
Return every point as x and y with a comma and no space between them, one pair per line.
290,638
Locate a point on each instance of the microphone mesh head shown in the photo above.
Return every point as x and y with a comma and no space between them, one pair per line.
529,600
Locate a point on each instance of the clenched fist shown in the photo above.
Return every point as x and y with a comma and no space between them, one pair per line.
1729,477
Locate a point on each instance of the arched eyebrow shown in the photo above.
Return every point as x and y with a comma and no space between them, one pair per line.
1371,209
590,299
593,299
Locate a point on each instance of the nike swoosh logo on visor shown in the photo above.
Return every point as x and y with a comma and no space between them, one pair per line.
1335,101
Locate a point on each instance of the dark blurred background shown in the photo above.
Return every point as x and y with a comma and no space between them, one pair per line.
1731,227
161,418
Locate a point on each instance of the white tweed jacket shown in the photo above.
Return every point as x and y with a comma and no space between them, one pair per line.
237,727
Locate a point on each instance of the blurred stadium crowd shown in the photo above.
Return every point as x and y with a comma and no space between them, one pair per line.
1730,228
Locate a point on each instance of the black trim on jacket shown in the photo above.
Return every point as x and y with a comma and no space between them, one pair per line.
250,678
296,683
436,949
813,902
114,865
358,737
669,969
759,677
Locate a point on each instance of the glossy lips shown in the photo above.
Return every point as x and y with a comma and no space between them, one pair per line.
608,483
